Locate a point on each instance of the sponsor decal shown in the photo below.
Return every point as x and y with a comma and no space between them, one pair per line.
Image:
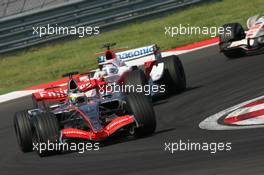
129,54
86,85
58,93
249,114
135,53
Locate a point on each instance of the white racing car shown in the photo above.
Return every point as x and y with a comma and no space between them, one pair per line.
235,42
140,67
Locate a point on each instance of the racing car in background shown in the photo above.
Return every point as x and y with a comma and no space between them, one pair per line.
235,42
142,66
80,118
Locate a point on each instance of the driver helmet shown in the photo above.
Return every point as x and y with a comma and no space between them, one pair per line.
110,69
74,98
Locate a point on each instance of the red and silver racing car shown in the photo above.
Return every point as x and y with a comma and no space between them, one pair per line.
83,118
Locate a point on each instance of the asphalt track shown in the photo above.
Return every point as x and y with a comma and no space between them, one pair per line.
215,83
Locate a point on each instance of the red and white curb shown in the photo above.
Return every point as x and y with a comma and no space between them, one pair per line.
250,114
246,115
176,51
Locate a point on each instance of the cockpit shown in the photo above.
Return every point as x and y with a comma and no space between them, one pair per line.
110,69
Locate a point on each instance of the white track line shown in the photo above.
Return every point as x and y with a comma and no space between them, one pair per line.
15,95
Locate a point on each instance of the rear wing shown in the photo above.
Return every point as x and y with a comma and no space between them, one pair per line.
58,93
134,54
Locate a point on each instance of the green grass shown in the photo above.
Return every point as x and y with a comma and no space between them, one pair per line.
35,66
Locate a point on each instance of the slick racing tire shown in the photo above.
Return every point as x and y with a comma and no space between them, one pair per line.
135,78
142,109
174,76
23,130
47,131
232,32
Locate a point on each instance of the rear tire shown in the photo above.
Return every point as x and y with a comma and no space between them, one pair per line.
142,109
47,130
174,76
23,130
232,32
135,78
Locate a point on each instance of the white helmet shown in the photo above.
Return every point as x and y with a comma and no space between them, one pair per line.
110,69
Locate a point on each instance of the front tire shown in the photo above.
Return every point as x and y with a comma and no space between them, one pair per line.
47,131
142,109
135,78
23,130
